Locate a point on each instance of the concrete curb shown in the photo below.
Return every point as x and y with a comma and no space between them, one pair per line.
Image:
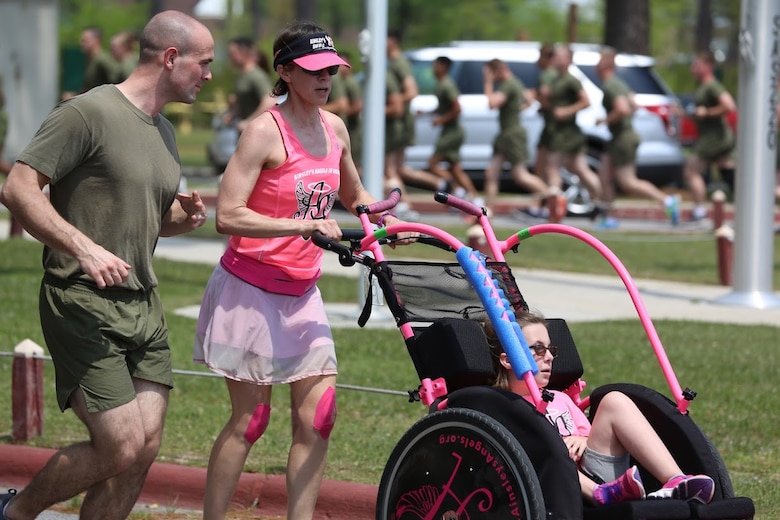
181,487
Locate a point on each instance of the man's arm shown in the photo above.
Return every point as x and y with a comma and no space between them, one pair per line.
185,214
583,101
21,194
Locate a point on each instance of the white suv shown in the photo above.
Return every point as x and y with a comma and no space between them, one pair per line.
659,158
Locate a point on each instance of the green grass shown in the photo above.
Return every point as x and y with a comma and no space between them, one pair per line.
192,146
732,367
681,257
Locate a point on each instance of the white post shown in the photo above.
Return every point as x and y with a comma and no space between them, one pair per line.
759,60
29,64
374,106
373,45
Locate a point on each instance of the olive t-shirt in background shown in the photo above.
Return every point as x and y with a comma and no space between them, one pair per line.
114,174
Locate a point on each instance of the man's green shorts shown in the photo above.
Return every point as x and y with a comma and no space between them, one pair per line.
100,339
716,147
511,144
622,148
449,142
567,139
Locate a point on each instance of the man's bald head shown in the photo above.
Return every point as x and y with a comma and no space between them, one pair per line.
168,29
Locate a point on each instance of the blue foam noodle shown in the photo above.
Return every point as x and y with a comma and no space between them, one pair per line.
507,329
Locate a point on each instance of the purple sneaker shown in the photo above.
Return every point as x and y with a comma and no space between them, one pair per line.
690,488
695,488
627,486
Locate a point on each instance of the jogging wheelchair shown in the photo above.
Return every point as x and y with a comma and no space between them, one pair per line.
482,452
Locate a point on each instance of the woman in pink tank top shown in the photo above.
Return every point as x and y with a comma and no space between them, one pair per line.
262,320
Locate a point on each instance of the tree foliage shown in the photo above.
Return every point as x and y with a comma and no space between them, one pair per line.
110,16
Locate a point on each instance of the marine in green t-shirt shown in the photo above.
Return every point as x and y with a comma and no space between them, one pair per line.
715,136
400,68
452,135
251,87
338,103
623,145
394,125
89,188
566,138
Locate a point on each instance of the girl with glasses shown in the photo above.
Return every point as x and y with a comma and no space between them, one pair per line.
602,448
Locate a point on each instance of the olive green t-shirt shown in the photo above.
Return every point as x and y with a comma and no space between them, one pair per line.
354,93
100,70
394,127
447,94
565,91
400,68
711,128
114,174
614,88
337,91
509,113
251,87
546,78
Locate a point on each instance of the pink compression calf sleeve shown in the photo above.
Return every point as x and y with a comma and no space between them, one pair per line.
325,416
257,423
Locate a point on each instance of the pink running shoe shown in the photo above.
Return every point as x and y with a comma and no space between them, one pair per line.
690,488
626,487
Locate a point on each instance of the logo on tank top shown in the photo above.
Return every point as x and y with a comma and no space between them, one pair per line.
315,200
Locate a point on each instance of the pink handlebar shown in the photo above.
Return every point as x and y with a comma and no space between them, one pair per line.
384,205
459,204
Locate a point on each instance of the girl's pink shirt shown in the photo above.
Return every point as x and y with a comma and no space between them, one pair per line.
302,187
565,415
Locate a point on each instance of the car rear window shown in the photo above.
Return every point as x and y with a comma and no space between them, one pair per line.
641,80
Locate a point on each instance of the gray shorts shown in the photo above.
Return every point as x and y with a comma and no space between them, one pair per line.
603,468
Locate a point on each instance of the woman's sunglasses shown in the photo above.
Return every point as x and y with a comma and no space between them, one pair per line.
332,70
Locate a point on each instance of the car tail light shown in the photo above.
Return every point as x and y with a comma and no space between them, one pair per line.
668,115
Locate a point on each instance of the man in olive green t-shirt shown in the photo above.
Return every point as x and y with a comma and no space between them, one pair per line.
715,141
618,161
567,142
547,74
447,149
253,85
100,68
507,93
110,160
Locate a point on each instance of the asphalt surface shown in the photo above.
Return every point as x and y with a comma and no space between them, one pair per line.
576,297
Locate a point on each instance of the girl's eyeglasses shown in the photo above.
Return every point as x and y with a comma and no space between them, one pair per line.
332,70
540,349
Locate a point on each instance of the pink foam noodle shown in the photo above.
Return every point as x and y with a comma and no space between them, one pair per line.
644,317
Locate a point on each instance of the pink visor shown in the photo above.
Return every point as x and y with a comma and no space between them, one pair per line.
319,61
311,52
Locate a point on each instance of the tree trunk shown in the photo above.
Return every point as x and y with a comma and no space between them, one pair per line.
306,9
704,26
627,25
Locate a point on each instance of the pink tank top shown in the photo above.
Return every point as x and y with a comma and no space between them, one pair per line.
302,187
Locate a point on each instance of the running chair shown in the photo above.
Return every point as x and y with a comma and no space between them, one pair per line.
457,351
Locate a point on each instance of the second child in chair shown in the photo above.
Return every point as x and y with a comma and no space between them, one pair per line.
602,449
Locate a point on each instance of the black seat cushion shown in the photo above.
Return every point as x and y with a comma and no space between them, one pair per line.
455,349
567,368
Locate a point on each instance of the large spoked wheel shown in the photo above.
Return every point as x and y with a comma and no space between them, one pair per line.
459,464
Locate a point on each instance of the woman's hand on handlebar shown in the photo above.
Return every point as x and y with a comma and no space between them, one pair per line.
405,238
328,227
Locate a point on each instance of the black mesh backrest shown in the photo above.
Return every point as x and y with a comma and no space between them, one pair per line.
567,367
455,349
